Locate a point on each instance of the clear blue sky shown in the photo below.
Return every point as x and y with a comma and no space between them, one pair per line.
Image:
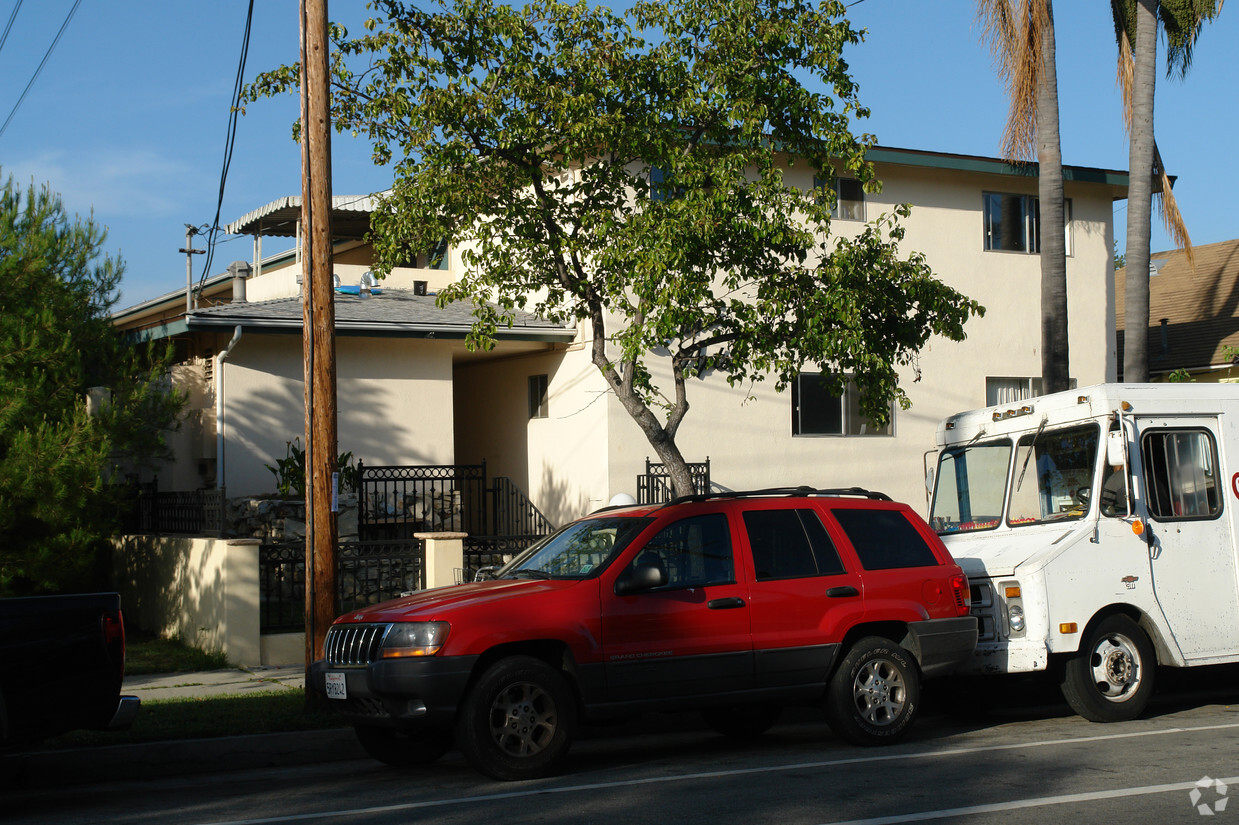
129,116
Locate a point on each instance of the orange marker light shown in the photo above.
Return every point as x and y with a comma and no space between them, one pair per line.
1013,592
1068,627
1137,527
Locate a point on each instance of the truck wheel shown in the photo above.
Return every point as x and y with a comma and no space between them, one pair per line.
742,722
400,749
875,694
1111,678
518,720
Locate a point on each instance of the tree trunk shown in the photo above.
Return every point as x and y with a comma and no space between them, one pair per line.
1055,352
1140,195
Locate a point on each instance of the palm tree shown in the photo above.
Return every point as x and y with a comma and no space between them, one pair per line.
1021,35
1136,28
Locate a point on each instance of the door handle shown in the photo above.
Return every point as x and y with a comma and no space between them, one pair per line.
725,604
843,591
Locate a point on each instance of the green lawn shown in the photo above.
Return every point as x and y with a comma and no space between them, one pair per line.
274,711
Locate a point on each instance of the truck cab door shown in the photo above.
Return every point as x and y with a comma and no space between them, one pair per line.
1186,497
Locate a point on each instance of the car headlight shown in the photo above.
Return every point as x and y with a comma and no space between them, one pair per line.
1015,617
405,639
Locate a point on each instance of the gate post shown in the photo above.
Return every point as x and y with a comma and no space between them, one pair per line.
444,558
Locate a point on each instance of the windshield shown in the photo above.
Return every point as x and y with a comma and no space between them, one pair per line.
579,550
1053,475
968,493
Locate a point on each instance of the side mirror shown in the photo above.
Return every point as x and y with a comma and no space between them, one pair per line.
485,574
1116,449
639,578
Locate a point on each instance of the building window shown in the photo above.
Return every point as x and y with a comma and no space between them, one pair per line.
817,410
537,396
1010,390
849,197
1013,223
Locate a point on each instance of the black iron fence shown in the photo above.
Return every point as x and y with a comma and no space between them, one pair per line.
492,551
655,487
394,502
197,512
401,500
367,572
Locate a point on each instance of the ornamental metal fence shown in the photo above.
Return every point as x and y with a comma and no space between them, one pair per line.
367,572
654,487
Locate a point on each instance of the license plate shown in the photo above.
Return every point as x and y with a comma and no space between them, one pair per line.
337,687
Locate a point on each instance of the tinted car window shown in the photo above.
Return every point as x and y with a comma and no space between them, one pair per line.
885,539
693,551
790,544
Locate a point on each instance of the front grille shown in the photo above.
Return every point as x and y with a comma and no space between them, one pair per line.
354,645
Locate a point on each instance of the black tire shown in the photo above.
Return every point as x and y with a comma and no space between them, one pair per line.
875,694
402,750
1111,678
518,720
742,722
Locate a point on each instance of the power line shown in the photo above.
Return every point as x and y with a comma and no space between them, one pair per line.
42,63
229,143
12,17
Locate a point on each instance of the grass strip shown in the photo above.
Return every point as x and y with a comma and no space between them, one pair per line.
275,711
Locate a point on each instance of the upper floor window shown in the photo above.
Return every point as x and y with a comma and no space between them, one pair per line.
1013,222
1010,390
849,197
818,410
537,396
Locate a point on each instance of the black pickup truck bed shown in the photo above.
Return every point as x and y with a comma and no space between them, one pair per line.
62,660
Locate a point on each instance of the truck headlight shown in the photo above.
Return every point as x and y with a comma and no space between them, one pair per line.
406,639
1015,617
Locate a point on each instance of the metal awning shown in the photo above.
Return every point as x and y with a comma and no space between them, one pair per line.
350,218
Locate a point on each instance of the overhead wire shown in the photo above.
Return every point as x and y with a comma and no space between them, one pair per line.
12,16
212,234
42,63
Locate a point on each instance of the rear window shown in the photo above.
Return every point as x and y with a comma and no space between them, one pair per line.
790,544
885,539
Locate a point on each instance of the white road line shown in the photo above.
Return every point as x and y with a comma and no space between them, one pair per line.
999,807
868,758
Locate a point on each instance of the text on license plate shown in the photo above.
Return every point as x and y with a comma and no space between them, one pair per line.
337,687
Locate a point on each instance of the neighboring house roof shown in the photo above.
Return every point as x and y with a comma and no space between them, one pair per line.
1193,315
391,312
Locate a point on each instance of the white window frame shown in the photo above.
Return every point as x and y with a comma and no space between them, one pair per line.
1030,242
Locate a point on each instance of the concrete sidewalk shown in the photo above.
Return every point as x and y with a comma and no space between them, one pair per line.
46,767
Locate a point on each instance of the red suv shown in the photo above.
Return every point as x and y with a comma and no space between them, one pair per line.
735,604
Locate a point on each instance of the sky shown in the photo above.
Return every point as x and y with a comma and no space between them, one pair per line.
128,118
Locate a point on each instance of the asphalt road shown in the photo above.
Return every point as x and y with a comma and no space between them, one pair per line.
1019,757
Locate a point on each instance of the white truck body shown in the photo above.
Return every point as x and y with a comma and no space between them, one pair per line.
1055,548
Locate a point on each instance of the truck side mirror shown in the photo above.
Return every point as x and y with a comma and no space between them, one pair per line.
639,578
1116,449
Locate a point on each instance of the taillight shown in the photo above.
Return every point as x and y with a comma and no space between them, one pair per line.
114,636
959,586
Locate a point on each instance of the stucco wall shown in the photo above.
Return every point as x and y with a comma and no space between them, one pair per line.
750,442
394,404
559,461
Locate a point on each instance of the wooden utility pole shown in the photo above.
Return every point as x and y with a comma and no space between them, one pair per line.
319,321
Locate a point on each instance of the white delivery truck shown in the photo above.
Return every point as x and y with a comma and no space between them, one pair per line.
1098,531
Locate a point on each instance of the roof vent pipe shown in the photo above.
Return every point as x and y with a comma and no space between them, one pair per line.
239,270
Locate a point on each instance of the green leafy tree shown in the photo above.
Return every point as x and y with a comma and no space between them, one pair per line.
631,173
1136,26
60,464
1021,35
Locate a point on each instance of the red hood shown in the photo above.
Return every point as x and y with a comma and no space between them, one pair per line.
441,603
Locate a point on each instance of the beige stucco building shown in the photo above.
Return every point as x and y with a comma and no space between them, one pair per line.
536,410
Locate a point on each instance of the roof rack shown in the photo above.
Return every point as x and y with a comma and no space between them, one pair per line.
803,490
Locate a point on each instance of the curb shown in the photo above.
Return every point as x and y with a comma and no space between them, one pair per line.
157,760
